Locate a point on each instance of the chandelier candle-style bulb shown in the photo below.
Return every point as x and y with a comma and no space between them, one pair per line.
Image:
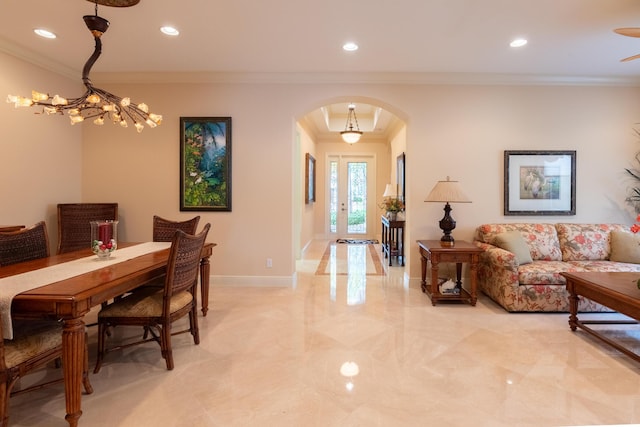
96,103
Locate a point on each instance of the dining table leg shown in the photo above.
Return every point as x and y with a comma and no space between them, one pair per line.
205,268
73,344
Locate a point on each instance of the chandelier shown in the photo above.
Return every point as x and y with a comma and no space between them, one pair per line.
349,135
96,103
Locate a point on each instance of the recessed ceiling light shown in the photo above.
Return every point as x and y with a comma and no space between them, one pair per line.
170,31
350,46
518,43
44,33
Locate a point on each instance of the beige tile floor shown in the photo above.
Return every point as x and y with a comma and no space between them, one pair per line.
278,357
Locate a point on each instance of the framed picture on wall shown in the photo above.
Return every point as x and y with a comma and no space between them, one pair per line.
400,178
205,164
539,182
309,179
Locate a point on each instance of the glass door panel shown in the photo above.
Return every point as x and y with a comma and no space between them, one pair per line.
351,180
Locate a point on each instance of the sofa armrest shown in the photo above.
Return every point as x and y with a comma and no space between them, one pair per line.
498,274
498,257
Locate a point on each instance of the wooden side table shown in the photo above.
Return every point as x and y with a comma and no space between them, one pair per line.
393,239
430,250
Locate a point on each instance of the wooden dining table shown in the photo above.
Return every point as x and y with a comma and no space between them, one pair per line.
71,299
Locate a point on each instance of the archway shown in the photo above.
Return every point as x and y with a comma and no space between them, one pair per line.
310,139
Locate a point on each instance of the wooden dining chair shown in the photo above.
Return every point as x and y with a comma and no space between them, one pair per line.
156,309
74,228
164,229
24,245
35,343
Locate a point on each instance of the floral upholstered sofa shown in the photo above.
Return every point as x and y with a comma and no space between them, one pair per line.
521,263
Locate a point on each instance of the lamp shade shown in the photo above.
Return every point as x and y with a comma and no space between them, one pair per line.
389,191
447,191
351,136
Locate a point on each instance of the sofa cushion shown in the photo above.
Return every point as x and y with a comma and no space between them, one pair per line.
546,272
513,242
625,247
541,238
583,242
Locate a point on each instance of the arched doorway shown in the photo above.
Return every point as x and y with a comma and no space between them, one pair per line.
318,133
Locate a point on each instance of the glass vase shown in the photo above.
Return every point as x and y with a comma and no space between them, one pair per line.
104,238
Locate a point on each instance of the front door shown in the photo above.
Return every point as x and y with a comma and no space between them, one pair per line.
351,196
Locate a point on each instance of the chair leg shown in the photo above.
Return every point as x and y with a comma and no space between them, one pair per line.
102,328
165,344
193,324
4,404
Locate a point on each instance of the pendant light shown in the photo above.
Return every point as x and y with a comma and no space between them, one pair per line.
96,103
349,135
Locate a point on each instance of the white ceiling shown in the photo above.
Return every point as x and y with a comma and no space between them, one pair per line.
400,40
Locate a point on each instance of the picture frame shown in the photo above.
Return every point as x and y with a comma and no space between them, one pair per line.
400,178
309,179
539,182
205,164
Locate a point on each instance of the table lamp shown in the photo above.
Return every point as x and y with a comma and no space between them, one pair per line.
447,192
389,191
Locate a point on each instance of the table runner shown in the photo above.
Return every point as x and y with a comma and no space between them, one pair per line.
13,285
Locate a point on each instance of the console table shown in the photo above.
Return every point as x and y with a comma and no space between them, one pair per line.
431,250
393,239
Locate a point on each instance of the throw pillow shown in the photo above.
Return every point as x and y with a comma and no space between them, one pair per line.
625,247
513,242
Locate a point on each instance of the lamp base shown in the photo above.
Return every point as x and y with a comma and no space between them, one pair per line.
447,225
447,242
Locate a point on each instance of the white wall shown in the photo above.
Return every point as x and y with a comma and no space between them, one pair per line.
458,131
40,156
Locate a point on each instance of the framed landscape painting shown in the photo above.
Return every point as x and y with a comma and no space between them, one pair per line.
539,182
205,164
309,179
400,178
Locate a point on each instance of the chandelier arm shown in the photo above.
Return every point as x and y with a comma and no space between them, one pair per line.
132,111
97,51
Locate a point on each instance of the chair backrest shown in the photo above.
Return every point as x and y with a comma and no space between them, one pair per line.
184,263
24,245
164,229
74,228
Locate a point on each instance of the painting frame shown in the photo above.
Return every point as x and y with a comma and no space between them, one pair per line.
205,164
539,182
400,178
309,179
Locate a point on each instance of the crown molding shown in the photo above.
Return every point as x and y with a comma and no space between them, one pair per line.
35,59
369,78
320,77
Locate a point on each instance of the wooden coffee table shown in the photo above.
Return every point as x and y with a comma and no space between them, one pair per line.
617,291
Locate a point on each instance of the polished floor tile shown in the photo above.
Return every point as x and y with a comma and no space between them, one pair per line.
347,347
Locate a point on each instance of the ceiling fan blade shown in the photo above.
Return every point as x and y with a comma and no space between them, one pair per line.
631,58
629,32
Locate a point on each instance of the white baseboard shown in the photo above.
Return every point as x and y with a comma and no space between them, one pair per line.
253,281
